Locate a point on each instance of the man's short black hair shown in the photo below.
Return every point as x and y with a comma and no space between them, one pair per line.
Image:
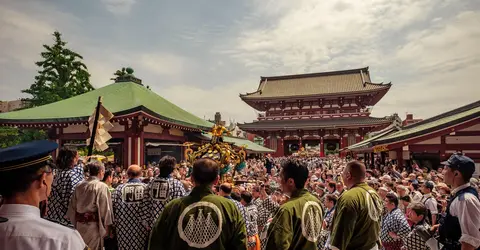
204,171
108,172
296,170
236,196
247,196
392,198
166,165
419,208
332,197
65,158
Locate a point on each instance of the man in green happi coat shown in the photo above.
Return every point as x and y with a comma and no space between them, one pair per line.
298,222
201,220
356,223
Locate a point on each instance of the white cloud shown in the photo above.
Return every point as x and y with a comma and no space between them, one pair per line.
23,35
431,57
445,64
205,102
426,58
162,63
119,6
312,35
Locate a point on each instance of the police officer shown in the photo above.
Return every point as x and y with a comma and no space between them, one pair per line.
26,180
461,227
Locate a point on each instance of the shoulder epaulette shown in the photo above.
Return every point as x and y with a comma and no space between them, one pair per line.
56,222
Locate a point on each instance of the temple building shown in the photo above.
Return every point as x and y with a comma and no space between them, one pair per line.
323,111
145,125
427,142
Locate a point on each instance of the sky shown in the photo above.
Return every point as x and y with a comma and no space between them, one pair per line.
201,54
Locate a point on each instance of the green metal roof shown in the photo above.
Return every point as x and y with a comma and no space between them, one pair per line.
118,98
240,142
366,143
438,122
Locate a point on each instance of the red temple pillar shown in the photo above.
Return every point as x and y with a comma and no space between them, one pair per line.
358,137
300,142
399,158
126,151
280,148
134,150
322,149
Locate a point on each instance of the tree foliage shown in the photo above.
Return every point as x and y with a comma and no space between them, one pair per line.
62,75
13,136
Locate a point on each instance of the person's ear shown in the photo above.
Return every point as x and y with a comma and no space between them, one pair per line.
216,180
291,182
43,180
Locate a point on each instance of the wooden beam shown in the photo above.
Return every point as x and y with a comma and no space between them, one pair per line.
163,136
466,133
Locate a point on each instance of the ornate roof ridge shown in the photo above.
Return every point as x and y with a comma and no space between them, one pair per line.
307,75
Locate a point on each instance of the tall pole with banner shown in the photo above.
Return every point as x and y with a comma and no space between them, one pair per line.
95,125
99,125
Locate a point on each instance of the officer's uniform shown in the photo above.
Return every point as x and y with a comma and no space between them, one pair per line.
21,226
462,222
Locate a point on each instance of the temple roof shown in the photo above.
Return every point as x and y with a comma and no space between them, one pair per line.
423,130
295,124
442,121
119,98
316,84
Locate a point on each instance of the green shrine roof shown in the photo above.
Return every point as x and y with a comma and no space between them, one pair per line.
119,98
239,142
436,123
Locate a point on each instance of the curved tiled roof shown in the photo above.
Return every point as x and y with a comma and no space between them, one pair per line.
438,122
119,98
324,83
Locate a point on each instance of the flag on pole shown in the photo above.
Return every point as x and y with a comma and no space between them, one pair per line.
103,126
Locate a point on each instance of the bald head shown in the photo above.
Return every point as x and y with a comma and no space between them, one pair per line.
226,188
134,171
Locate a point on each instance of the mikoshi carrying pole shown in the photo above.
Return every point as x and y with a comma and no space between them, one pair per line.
95,125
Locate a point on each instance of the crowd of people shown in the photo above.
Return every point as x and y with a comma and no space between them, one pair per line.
272,203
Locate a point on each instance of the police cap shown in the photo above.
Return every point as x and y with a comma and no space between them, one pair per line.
26,154
462,163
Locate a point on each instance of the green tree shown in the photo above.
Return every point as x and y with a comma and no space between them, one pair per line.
13,136
62,75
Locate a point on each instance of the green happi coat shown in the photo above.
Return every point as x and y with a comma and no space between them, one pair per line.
200,220
356,222
297,224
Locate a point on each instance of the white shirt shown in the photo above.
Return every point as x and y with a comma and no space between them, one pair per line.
416,196
25,229
430,203
466,208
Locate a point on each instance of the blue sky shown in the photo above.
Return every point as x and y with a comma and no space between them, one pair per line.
201,54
